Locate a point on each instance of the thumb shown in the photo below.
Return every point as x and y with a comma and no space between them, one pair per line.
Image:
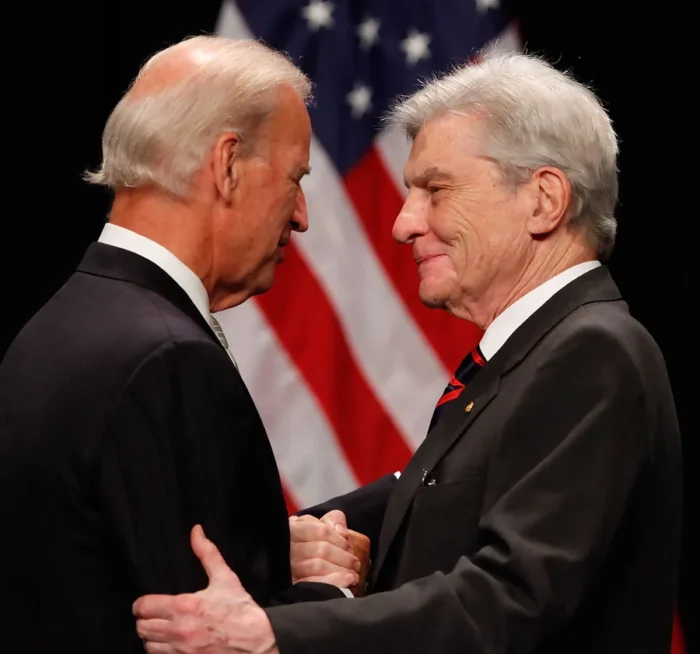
338,520
211,559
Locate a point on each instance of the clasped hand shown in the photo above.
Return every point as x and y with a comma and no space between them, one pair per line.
326,551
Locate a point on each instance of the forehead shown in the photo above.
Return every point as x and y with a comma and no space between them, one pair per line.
290,125
446,142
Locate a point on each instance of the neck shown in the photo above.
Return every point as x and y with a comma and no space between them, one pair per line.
184,228
502,293
169,221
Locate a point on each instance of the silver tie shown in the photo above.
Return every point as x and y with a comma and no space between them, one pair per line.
222,338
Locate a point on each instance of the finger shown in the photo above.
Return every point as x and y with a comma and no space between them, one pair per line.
303,551
306,531
155,630
338,520
360,544
339,579
210,557
319,568
153,606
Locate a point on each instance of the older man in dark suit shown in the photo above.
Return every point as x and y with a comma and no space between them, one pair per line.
123,418
541,514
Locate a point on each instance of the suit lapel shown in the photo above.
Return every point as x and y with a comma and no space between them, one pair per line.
456,420
595,286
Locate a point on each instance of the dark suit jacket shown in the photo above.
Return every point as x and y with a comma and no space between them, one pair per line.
541,515
123,423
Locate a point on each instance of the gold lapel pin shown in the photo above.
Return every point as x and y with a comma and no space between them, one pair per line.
469,407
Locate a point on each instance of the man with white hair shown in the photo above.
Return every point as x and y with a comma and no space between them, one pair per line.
541,514
123,418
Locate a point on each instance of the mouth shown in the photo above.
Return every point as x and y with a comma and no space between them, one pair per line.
279,252
426,257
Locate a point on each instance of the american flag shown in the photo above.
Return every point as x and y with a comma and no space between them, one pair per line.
344,362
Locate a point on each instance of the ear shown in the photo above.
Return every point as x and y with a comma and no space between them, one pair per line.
226,155
553,197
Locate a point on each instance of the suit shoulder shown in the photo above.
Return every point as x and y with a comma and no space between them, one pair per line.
99,331
607,335
131,316
610,324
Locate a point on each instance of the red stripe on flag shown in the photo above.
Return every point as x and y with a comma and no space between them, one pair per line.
677,640
291,505
296,306
377,202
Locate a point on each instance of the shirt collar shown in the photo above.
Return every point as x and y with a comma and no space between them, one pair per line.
189,282
505,324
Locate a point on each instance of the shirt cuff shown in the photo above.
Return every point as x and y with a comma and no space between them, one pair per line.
347,592
397,474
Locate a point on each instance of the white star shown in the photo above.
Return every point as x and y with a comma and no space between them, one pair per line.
415,45
368,31
485,5
360,99
318,14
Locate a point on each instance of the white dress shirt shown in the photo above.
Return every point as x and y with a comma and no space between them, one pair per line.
502,328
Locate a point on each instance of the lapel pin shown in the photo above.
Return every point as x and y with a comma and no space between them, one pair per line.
469,407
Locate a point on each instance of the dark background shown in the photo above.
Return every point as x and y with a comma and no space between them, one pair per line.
67,64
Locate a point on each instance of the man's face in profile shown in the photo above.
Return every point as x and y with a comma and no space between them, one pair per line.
268,201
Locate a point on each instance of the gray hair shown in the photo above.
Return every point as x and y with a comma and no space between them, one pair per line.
163,137
535,116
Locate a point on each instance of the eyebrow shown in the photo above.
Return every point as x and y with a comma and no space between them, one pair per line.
430,174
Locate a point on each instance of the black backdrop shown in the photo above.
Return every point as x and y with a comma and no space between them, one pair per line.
67,64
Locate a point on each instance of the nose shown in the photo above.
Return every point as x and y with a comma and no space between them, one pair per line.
300,219
410,223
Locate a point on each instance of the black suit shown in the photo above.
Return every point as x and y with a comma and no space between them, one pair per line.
541,515
123,422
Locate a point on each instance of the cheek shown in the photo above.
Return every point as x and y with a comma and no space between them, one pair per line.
454,235
282,200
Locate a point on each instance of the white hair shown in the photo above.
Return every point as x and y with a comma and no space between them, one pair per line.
163,137
535,116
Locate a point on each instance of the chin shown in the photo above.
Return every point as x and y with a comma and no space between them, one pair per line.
264,283
432,300
435,291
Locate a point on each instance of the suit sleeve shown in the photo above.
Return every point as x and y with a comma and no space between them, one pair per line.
160,469
557,490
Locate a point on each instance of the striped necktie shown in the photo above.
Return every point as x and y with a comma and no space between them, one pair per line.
222,338
470,365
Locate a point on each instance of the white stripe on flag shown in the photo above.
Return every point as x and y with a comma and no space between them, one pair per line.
394,147
508,40
231,23
310,461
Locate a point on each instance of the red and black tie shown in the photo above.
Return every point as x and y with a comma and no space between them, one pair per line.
463,375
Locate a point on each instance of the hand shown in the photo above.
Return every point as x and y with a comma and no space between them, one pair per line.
221,619
322,550
360,547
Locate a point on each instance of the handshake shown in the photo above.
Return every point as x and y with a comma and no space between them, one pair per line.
324,550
